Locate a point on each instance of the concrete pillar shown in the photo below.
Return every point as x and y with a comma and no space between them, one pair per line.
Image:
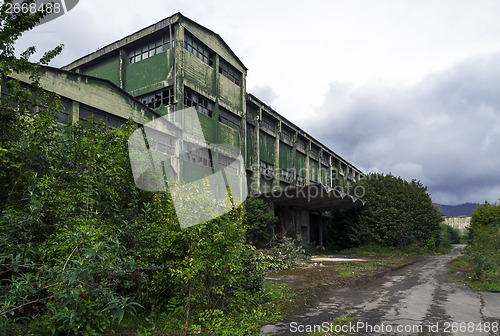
320,166
330,172
256,150
75,115
308,172
276,181
122,67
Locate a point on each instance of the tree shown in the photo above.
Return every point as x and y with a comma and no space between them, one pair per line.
485,215
12,26
80,246
397,213
260,222
483,248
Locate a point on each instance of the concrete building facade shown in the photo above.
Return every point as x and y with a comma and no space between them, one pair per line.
83,96
177,63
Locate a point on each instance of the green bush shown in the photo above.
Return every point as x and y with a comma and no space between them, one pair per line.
485,215
483,250
81,248
449,236
260,223
397,213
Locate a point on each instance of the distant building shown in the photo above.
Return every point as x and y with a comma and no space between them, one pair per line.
177,63
460,222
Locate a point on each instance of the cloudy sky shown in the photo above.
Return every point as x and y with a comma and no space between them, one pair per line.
407,87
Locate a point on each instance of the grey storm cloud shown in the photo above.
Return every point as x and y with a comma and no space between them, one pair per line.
443,131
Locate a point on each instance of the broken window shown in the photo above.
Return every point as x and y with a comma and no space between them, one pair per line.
159,98
199,102
314,151
230,119
286,135
286,175
252,113
268,123
66,112
301,143
266,169
229,71
325,159
100,117
197,154
149,49
199,49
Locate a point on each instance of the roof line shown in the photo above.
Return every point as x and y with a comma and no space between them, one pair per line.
93,55
104,81
293,124
177,17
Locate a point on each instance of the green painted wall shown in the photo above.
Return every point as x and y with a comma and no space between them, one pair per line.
324,173
230,93
313,170
227,135
208,125
300,164
266,148
250,157
149,75
285,156
198,73
108,69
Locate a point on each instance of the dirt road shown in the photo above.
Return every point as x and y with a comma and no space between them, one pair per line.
419,299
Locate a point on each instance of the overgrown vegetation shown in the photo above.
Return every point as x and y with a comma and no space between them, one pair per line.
398,214
285,253
260,223
482,253
83,251
81,247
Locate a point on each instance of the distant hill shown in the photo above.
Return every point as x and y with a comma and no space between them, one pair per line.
465,209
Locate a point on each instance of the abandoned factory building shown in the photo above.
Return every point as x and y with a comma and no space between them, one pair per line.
177,63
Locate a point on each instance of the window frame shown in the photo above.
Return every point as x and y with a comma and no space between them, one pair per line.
104,117
201,103
197,154
198,49
159,98
150,48
229,71
230,119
